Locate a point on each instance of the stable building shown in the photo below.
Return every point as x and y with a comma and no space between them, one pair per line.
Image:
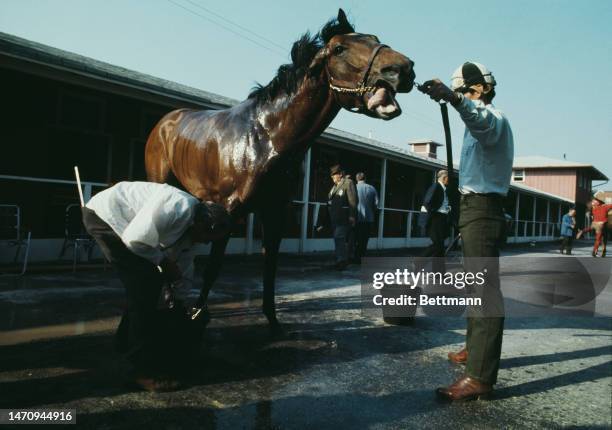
61,109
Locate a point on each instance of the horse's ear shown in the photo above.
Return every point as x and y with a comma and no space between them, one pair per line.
342,18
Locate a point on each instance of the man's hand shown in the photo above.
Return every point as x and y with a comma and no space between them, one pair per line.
437,91
352,221
170,270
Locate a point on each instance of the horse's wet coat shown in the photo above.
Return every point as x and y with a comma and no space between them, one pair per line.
244,157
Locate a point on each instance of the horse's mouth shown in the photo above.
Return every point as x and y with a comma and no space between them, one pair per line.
381,102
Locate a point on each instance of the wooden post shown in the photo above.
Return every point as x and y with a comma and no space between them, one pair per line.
516,216
535,203
381,202
305,193
547,218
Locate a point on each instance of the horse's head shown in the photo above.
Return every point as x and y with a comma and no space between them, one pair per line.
363,74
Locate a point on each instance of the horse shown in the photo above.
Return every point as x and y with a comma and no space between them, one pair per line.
247,157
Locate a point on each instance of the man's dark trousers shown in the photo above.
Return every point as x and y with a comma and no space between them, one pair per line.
362,230
483,231
438,230
136,335
566,244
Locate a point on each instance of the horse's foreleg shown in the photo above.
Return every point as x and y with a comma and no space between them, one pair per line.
212,269
272,232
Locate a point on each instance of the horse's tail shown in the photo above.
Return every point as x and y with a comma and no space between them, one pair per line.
157,150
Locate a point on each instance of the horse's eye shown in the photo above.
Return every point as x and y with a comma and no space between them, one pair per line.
339,50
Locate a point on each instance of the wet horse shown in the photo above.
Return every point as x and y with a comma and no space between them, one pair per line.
248,156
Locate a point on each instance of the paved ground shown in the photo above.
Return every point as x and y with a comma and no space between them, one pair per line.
338,369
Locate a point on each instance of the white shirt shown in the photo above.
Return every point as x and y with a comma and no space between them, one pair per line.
148,217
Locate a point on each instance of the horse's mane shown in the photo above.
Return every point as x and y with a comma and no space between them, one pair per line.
302,53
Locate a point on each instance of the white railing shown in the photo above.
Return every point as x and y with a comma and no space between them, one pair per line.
520,230
87,185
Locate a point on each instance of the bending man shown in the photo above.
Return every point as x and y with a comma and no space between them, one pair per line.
138,225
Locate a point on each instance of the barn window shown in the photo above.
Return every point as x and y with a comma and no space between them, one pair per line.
518,175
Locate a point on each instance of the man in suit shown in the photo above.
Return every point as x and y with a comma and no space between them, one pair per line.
438,210
568,225
484,178
342,206
368,203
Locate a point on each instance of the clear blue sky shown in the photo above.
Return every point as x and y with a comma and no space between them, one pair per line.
552,59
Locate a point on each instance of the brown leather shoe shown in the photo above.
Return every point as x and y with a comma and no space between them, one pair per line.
458,357
465,388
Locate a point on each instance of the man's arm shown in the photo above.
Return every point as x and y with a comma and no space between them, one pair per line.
376,201
481,122
430,197
141,236
351,194
566,221
163,217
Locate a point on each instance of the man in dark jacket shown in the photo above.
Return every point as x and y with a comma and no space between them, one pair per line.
342,205
438,209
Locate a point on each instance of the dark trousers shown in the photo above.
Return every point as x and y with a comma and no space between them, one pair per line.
483,230
341,242
362,233
438,230
138,332
566,244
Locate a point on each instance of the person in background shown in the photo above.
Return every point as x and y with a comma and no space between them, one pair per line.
438,222
568,225
487,154
342,206
367,206
599,212
140,227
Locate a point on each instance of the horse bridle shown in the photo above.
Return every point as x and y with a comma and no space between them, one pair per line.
361,88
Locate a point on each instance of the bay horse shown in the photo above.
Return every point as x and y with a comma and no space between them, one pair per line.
247,157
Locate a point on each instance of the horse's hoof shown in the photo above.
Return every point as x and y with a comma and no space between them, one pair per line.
201,315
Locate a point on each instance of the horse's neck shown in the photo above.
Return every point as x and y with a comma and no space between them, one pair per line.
295,122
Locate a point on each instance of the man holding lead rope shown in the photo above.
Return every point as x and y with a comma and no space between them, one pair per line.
484,178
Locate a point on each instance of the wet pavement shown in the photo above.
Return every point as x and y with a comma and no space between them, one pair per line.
338,368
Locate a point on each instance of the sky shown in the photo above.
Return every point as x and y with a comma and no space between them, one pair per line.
552,59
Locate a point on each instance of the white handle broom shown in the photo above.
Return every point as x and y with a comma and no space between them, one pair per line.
78,180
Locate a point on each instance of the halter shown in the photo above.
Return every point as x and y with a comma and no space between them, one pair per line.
361,88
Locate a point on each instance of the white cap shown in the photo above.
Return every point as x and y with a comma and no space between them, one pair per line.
471,73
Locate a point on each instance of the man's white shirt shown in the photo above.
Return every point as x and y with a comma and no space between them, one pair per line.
148,217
